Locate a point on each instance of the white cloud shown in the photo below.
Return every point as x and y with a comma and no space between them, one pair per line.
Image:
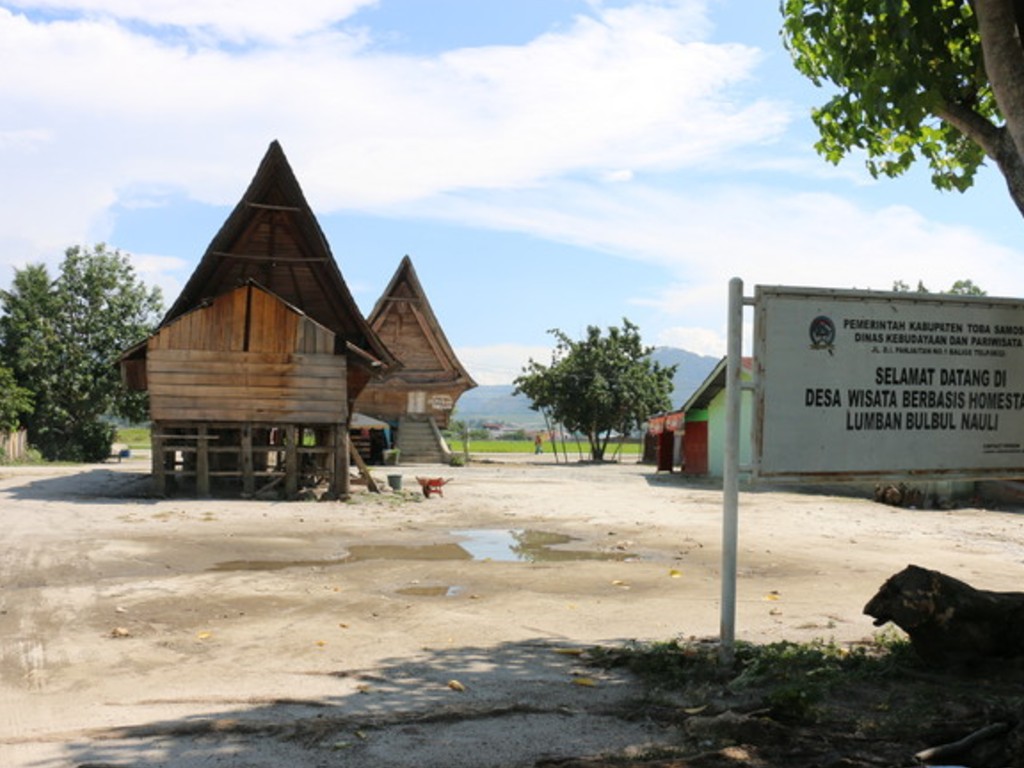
231,20
160,271
701,341
93,106
705,235
711,233
500,363
603,134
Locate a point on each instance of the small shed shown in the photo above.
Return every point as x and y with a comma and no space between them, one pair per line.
253,371
664,440
417,399
704,428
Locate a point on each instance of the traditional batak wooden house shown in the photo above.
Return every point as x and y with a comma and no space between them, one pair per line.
418,398
253,371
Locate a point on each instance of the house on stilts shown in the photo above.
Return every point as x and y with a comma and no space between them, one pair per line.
417,399
253,372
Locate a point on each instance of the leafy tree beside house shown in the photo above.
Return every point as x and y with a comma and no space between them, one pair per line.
15,402
598,385
935,80
61,338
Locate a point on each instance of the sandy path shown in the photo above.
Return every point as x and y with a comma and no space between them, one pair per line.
339,626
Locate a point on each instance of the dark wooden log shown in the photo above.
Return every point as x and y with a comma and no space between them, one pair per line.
949,621
946,753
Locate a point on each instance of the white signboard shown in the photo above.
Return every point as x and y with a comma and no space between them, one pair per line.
867,384
441,402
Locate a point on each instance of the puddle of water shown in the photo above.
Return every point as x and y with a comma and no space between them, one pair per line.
527,546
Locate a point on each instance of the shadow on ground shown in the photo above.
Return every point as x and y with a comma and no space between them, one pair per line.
509,705
96,485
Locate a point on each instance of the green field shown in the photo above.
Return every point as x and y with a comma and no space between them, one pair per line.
134,437
526,446
138,438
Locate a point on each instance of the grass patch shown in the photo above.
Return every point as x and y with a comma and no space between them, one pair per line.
874,703
810,664
139,438
526,446
133,437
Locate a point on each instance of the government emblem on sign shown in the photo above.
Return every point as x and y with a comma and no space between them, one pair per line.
823,333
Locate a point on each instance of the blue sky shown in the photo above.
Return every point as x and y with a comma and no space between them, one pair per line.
545,163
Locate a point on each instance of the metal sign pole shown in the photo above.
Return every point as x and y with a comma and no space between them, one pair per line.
730,473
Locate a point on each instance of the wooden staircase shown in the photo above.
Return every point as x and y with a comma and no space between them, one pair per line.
420,441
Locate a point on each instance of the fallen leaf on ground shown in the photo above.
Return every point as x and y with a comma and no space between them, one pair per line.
455,685
586,682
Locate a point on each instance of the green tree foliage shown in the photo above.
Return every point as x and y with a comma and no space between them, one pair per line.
938,80
15,401
62,337
598,385
959,288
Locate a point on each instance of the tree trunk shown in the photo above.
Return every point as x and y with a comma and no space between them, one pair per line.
1004,61
949,621
1004,65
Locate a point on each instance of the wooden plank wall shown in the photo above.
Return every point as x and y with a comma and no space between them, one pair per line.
247,319
405,331
200,385
247,356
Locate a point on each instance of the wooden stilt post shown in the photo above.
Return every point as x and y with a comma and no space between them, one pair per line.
364,470
334,461
344,444
158,460
248,478
202,461
291,461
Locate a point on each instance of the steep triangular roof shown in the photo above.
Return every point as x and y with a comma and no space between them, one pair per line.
273,238
405,289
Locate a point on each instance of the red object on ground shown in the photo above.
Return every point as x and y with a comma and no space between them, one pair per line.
433,485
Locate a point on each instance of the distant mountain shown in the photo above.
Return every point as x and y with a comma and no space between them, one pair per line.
495,402
691,371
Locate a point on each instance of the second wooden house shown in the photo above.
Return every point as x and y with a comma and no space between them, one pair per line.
417,399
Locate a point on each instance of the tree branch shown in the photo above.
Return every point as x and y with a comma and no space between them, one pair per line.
996,142
979,129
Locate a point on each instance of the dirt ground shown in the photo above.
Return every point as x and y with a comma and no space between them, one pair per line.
394,630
